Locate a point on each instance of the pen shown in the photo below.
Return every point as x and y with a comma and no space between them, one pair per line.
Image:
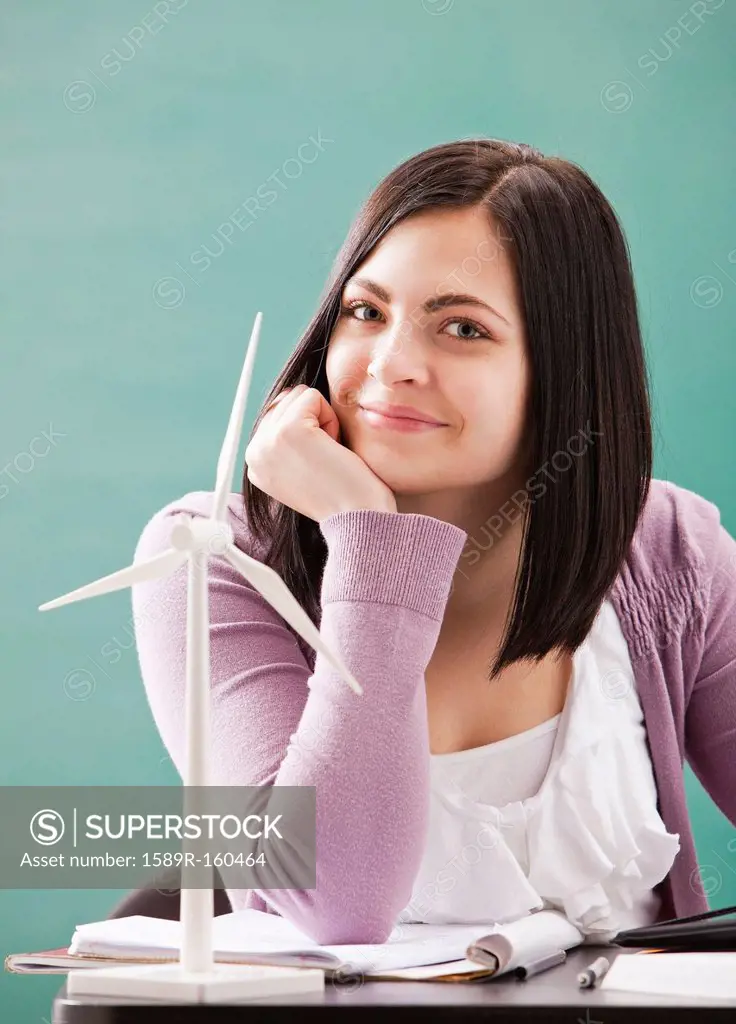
537,966
593,972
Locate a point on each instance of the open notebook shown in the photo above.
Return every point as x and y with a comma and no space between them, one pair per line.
413,952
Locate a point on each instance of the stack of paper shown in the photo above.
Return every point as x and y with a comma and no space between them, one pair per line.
413,952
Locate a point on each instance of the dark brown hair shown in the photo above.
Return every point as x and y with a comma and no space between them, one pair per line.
588,373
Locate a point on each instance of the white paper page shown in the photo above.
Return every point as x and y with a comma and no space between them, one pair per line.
411,945
251,931
127,933
708,974
433,970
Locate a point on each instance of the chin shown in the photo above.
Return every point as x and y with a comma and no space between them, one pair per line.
400,473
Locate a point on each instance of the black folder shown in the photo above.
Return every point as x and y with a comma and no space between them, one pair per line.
699,932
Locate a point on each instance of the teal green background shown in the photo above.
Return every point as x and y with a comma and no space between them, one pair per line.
106,193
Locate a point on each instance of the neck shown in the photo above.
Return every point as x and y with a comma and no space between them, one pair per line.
484,579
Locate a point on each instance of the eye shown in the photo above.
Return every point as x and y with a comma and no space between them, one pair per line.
350,307
479,331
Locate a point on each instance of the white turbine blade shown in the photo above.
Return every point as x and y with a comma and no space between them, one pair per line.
229,451
148,569
272,587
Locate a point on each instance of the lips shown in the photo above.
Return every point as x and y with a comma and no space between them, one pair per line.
402,412
401,424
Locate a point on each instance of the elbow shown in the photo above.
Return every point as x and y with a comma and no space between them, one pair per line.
340,929
362,916
326,922
336,922
357,915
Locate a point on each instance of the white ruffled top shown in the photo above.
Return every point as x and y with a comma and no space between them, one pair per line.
562,816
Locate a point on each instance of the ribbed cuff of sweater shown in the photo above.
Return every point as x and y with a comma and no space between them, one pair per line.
390,558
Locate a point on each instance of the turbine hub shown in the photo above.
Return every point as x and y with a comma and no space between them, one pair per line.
195,533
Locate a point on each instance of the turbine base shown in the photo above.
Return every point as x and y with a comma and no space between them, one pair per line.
225,983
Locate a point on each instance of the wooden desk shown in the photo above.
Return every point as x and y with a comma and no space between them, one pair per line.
552,997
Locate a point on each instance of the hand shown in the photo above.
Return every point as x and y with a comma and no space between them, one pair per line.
296,456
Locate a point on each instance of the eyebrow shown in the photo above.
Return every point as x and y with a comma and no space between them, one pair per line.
432,304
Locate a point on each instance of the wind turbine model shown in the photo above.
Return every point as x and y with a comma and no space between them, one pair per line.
197,977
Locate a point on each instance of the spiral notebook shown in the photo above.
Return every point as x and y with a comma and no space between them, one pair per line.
413,952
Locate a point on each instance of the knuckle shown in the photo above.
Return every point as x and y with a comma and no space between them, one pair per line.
253,461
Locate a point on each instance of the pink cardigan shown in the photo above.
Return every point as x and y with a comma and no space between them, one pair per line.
281,717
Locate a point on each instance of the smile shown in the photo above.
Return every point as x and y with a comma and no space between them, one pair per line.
377,419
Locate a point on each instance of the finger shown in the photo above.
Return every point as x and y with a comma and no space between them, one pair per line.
279,400
317,405
275,401
328,419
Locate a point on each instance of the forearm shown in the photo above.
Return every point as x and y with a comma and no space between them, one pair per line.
368,759
368,756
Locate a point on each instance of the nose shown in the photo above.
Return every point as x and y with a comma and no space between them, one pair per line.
399,355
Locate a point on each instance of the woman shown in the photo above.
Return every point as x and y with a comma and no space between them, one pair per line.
541,630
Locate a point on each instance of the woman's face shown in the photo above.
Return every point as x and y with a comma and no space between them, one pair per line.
461,360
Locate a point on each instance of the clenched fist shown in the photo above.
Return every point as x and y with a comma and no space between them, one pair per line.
295,456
